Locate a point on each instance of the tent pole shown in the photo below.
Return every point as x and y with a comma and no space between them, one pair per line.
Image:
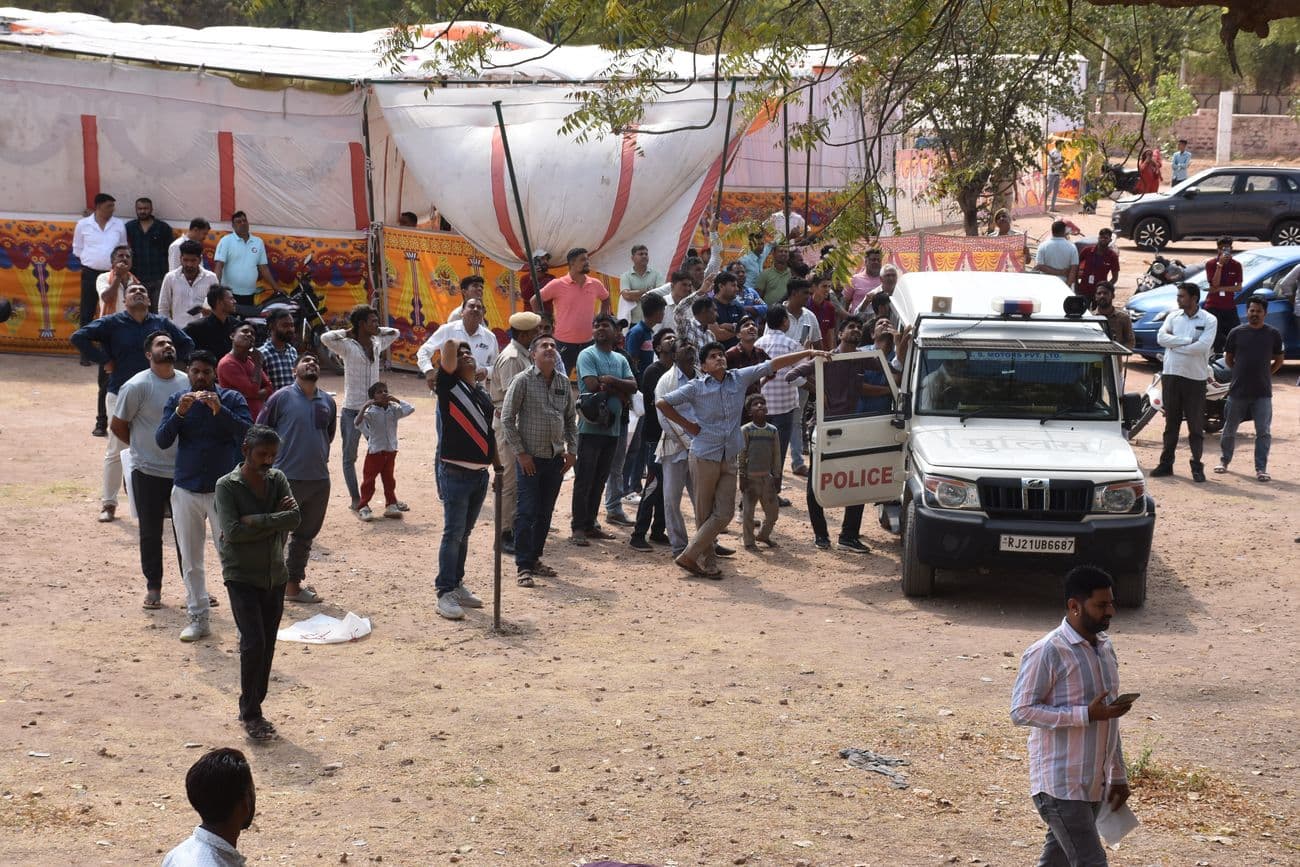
519,207
807,169
785,167
375,238
726,144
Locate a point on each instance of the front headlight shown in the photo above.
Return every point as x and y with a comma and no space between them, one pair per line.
1117,498
1134,315
953,493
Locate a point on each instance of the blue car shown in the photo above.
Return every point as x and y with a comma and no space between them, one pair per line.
1261,269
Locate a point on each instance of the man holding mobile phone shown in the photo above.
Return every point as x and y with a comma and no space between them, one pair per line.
1068,691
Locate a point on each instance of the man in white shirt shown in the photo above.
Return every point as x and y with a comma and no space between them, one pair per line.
803,328
1058,256
796,226
197,232
1187,336
93,241
470,329
470,287
220,788
633,285
186,286
362,348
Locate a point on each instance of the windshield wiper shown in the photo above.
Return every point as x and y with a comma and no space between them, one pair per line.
985,410
1062,413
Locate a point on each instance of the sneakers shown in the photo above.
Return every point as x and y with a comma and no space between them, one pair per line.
108,513
391,511
466,597
633,499
660,539
449,606
1198,471
197,628
640,544
402,507
823,543
855,545
365,514
1162,470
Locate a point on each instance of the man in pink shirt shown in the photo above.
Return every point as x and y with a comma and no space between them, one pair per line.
575,296
865,281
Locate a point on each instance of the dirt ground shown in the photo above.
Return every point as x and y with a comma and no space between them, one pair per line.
626,713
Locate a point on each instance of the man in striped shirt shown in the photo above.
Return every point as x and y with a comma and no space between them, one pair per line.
1067,690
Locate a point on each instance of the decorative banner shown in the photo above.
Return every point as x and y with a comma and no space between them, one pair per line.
41,277
930,252
424,270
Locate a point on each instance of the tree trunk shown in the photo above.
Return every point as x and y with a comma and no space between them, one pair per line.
968,199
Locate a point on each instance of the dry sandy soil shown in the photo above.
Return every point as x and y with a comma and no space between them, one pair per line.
624,712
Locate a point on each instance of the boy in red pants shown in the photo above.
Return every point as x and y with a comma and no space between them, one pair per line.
378,421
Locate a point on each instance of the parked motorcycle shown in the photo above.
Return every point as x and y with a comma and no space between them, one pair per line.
307,309
1216,398
1121,180
1161,272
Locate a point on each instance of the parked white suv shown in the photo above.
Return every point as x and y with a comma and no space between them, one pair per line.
1006,444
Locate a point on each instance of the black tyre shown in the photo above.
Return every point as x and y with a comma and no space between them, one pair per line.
1131,588
918,578
1286,234
1148,413
1151,233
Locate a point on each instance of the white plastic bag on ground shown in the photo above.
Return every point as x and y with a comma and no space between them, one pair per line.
323,629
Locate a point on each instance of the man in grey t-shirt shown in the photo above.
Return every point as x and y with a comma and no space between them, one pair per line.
136,417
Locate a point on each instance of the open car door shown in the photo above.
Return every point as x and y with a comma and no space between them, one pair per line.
859,457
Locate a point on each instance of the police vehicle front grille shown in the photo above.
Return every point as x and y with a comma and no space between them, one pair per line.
1053,500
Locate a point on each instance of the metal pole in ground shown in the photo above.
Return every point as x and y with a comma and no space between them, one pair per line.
496,548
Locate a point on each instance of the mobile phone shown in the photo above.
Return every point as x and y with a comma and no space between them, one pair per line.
1127,698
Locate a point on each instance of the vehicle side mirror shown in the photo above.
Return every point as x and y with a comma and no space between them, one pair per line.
1190,192
1131,404
1266,294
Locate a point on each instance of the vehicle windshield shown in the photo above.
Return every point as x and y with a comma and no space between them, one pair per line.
1017,384
1251,264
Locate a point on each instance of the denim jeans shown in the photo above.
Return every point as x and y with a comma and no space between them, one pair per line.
351,439
635,464
614,489
595,455
1072,838
1261,409
536,496
463,492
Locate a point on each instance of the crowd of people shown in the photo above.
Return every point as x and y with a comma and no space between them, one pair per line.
699,383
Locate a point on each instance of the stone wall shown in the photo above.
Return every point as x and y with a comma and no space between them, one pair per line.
1254,136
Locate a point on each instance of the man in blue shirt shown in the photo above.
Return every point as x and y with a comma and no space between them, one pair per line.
1180,162
208,424
117,341
240,259
306,419
601,371
754,258
640,337
718,399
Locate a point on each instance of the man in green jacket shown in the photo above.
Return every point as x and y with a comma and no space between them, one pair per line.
256,510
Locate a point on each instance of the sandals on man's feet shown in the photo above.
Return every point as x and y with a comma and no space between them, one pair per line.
259,729
525,579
